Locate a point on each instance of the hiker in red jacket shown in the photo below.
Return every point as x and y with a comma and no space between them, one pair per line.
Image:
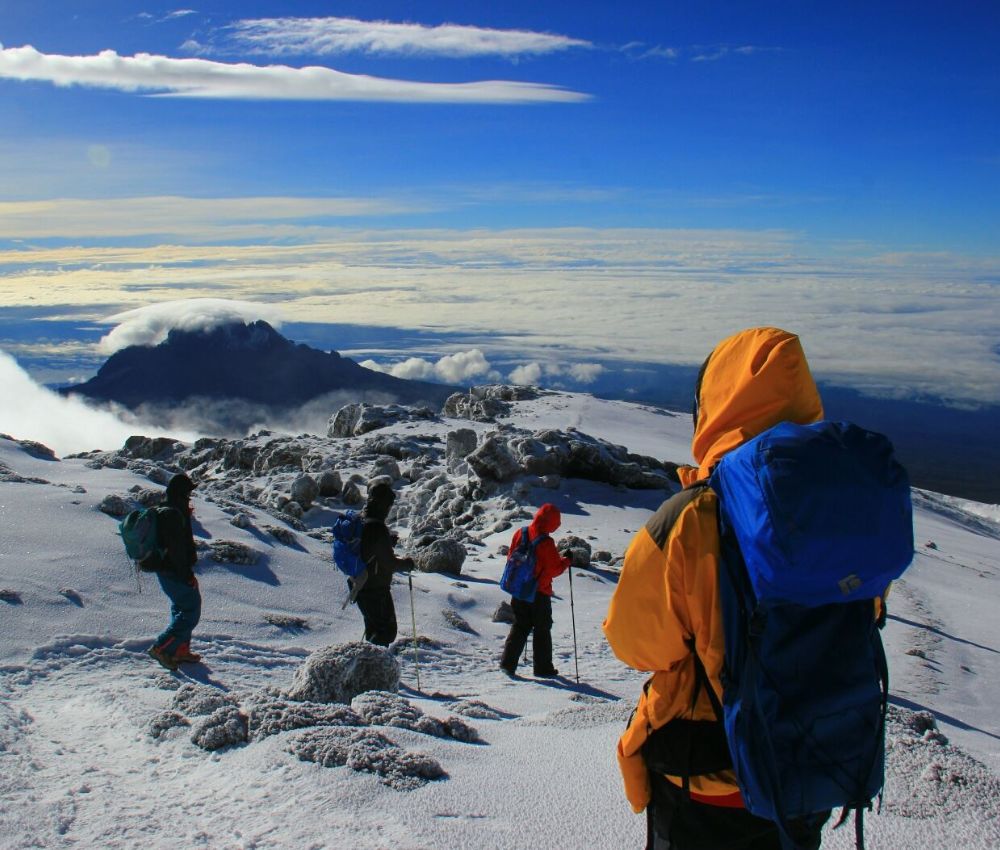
536,616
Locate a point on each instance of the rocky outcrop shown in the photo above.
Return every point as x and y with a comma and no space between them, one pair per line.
354,420
486,403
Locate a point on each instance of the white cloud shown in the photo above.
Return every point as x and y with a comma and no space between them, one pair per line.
528,373
169,77
81,218
150,325
458,368
324,36
910,323
65,425
585,373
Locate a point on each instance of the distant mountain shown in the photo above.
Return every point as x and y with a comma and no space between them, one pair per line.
248,362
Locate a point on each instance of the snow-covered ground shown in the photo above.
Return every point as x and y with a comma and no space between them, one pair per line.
80,765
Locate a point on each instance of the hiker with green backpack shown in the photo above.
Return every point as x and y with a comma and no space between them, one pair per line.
754,597
172,560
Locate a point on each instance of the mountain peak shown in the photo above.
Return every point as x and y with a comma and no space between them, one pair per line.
247,362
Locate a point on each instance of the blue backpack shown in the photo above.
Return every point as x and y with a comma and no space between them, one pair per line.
518,577
140,534
347,543
815,522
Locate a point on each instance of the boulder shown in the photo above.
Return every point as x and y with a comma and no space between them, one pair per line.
353,420
460,444
340,672
305,490
330,483
443,555
493,460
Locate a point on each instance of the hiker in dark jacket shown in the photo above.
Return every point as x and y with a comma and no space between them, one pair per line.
375,598
536,617
176,576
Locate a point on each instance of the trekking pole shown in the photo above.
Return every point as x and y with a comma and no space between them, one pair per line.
413,618
572,614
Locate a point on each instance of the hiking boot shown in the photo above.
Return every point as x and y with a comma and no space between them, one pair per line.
164,658
184,655
547,673
509,671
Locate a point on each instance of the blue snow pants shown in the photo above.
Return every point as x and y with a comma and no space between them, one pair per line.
185,611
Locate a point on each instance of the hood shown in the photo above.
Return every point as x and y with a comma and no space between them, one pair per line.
547,519
179,488
380,499
751,381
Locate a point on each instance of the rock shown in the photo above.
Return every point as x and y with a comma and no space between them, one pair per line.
369,751
36,450
241,520
353,420
493,460
148,448
305,491
268,718
163,722
279,454
114,505
387,467
602,556
351,494
503,614
444,555
577,548
457,621
330,483
486,403
201,700
282,535
339,673
224,727
231,552
460,444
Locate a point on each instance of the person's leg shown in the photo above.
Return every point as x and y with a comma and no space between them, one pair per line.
185,612
388,628
379,613
517,637
541,611
683,824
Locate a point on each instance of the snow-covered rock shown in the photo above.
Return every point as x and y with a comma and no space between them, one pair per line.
339,673
444,555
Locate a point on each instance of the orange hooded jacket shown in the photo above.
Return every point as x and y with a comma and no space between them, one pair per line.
667,592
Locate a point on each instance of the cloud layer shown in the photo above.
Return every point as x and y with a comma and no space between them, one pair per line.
325,36
895,324
201,78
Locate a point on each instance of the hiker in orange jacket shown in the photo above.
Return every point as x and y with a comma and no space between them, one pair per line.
667,596
536,617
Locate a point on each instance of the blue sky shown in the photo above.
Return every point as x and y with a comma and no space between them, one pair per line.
868,121
637,180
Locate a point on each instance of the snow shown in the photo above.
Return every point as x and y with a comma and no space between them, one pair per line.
96,742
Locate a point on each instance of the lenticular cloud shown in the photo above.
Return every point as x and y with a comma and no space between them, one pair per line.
166,76
150,325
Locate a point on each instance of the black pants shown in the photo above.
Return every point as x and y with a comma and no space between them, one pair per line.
530,618
678,823
379,613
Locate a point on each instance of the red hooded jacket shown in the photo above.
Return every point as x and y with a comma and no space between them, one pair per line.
548,562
